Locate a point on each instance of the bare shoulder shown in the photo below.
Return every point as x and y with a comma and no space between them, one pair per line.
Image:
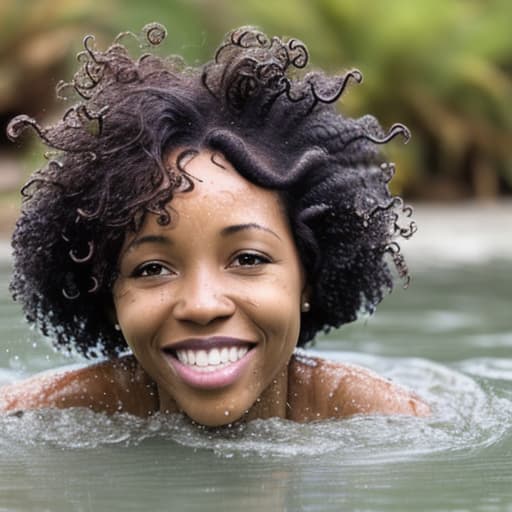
109,386
321,389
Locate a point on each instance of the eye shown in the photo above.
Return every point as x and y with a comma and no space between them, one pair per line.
151,268
250,259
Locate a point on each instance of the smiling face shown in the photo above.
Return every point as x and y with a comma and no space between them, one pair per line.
210,304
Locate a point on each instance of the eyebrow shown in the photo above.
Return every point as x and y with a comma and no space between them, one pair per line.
229,230
149,239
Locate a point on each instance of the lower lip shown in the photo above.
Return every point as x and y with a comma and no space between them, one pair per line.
214,379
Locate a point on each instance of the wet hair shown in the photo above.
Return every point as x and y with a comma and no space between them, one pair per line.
278,126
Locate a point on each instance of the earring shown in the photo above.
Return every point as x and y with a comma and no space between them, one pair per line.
306,306
117,327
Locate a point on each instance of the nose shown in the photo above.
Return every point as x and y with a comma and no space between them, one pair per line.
202,299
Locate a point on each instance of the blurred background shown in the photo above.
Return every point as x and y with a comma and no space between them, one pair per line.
442,67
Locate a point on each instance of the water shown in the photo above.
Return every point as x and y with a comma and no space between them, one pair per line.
449,337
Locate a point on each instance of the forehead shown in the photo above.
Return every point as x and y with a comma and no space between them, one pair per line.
220,189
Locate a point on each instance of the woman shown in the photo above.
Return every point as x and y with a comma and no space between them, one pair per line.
211,220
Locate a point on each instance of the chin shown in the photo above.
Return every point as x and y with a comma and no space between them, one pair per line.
216,418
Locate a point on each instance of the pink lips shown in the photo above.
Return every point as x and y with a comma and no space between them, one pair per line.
227,373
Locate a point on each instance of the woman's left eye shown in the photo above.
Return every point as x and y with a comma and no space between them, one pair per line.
249,259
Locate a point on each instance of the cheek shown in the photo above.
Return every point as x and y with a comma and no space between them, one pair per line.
279,312
137,316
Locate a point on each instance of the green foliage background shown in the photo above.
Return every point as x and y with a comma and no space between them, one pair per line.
443,67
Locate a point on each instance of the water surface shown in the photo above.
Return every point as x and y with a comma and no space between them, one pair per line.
449,337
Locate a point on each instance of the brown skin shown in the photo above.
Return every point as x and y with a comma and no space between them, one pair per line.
237,283
238,280
111,386
316,389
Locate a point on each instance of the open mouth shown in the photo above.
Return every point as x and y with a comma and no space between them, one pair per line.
212,359
209,363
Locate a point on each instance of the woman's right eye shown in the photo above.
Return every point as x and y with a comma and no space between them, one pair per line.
151,268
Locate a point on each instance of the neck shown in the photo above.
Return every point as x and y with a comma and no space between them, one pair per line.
272,402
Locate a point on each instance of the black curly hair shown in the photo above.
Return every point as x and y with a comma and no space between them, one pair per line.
278,127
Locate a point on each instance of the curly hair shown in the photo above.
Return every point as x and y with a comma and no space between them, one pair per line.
276,124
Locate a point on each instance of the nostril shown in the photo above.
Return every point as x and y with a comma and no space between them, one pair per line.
204,311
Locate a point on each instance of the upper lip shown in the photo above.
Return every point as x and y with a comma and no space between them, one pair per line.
206,343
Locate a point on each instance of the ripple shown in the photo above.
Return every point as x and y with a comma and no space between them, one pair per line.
8,375
491,340
488,368
468,414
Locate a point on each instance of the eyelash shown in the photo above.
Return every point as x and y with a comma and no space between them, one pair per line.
139,271
263,260
159,267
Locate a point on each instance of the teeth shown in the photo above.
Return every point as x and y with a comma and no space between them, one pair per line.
213,359
202,358
233,354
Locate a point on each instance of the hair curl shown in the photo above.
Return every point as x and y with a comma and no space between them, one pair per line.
276,125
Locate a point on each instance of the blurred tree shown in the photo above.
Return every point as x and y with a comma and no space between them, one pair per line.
35,38
40,38
443,67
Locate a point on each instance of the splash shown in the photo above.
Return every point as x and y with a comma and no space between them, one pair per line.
467,415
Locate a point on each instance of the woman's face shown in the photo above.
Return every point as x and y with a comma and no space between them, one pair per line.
210,304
